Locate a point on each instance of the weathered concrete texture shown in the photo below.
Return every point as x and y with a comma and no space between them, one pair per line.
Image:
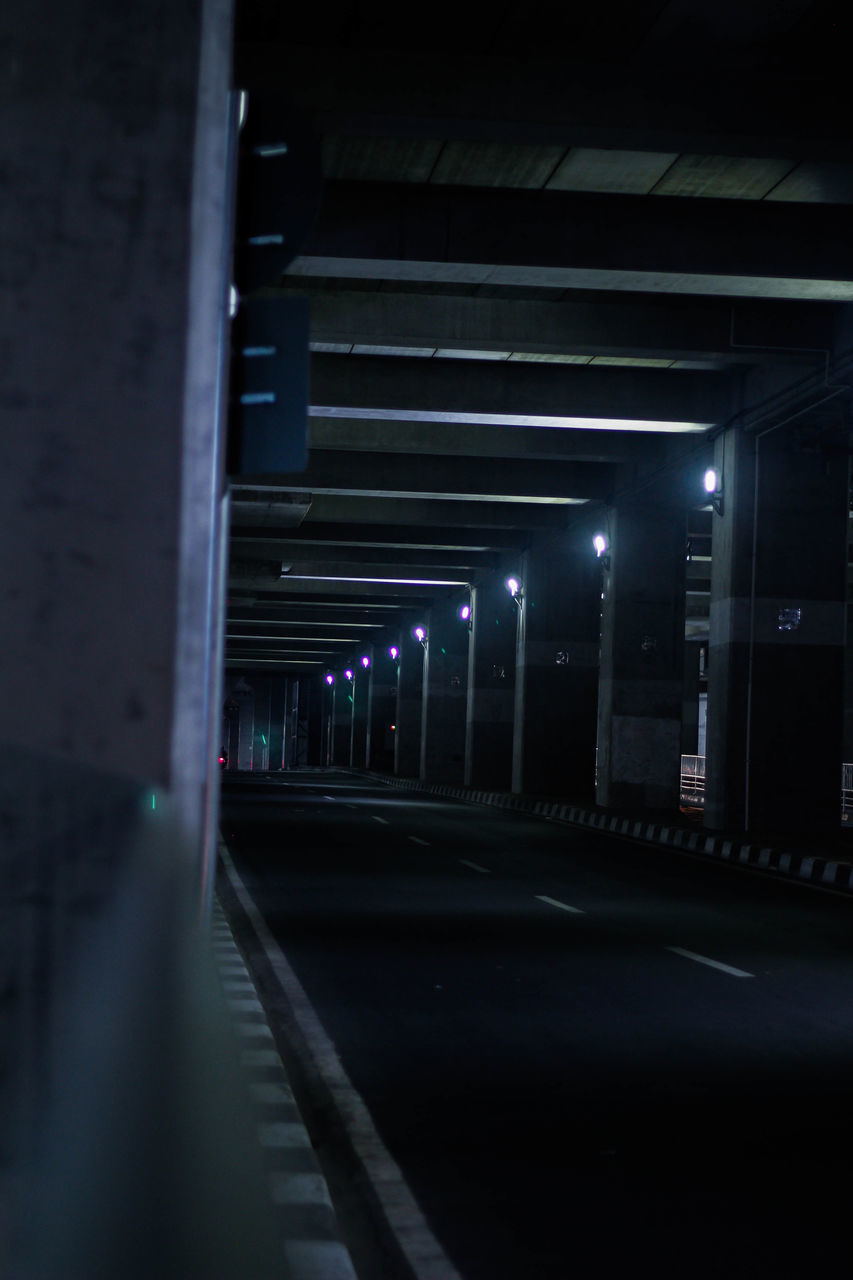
113,253
778,589
407,735
491,686
642,658
444,695
556,688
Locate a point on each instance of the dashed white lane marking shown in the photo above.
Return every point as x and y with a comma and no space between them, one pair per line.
555,902
299,1188
376,818
329,798
421,1249
713,964
475,866
417,840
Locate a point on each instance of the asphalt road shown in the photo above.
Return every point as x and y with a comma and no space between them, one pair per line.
528,1011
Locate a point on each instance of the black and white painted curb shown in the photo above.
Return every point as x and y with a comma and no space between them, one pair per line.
302,1207
787,863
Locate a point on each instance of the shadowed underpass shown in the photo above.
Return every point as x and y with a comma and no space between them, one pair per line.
530,1015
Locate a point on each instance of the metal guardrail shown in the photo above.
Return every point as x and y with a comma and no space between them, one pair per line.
692,793
847,793
692,790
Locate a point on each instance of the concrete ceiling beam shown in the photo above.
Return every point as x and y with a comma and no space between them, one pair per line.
581,240
676,328
342,386
513,480
483,441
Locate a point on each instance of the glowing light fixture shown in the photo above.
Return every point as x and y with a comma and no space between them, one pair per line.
465,612
600,544
713,484
330,679
365,662
420,634
348,674
393,653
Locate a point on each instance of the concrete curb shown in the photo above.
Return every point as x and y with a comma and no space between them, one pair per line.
825,872
312,1248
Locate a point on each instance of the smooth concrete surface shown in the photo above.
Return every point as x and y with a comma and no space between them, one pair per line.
776,658
445,693
557,656
410,678
640,687
491,685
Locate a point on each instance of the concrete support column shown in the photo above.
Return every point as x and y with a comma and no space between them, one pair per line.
261,737
776,661
640,692
278,704
444,696
381,710
341,721
556,679
407,735
491,686
690,697
314,748
358,729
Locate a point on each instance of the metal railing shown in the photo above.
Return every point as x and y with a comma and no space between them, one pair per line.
692,792
847,793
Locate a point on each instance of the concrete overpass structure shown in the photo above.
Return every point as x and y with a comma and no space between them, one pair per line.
556,265
547,290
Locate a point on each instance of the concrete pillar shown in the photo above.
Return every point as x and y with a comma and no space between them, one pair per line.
640,692
776,660
693,650
261,737
491,686
556,682
313,691
342,726
278,702
407,735
444,695
381,709
358,729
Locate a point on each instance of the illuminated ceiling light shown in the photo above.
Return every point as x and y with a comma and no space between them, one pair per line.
465,612
348,674
365,661
513,586
420,634
393,653
330,679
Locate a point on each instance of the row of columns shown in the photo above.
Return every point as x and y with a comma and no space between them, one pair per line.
582,686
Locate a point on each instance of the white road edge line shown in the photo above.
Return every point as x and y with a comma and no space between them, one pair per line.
376,818
402,1212
713,964
555,902
417,840
487,871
